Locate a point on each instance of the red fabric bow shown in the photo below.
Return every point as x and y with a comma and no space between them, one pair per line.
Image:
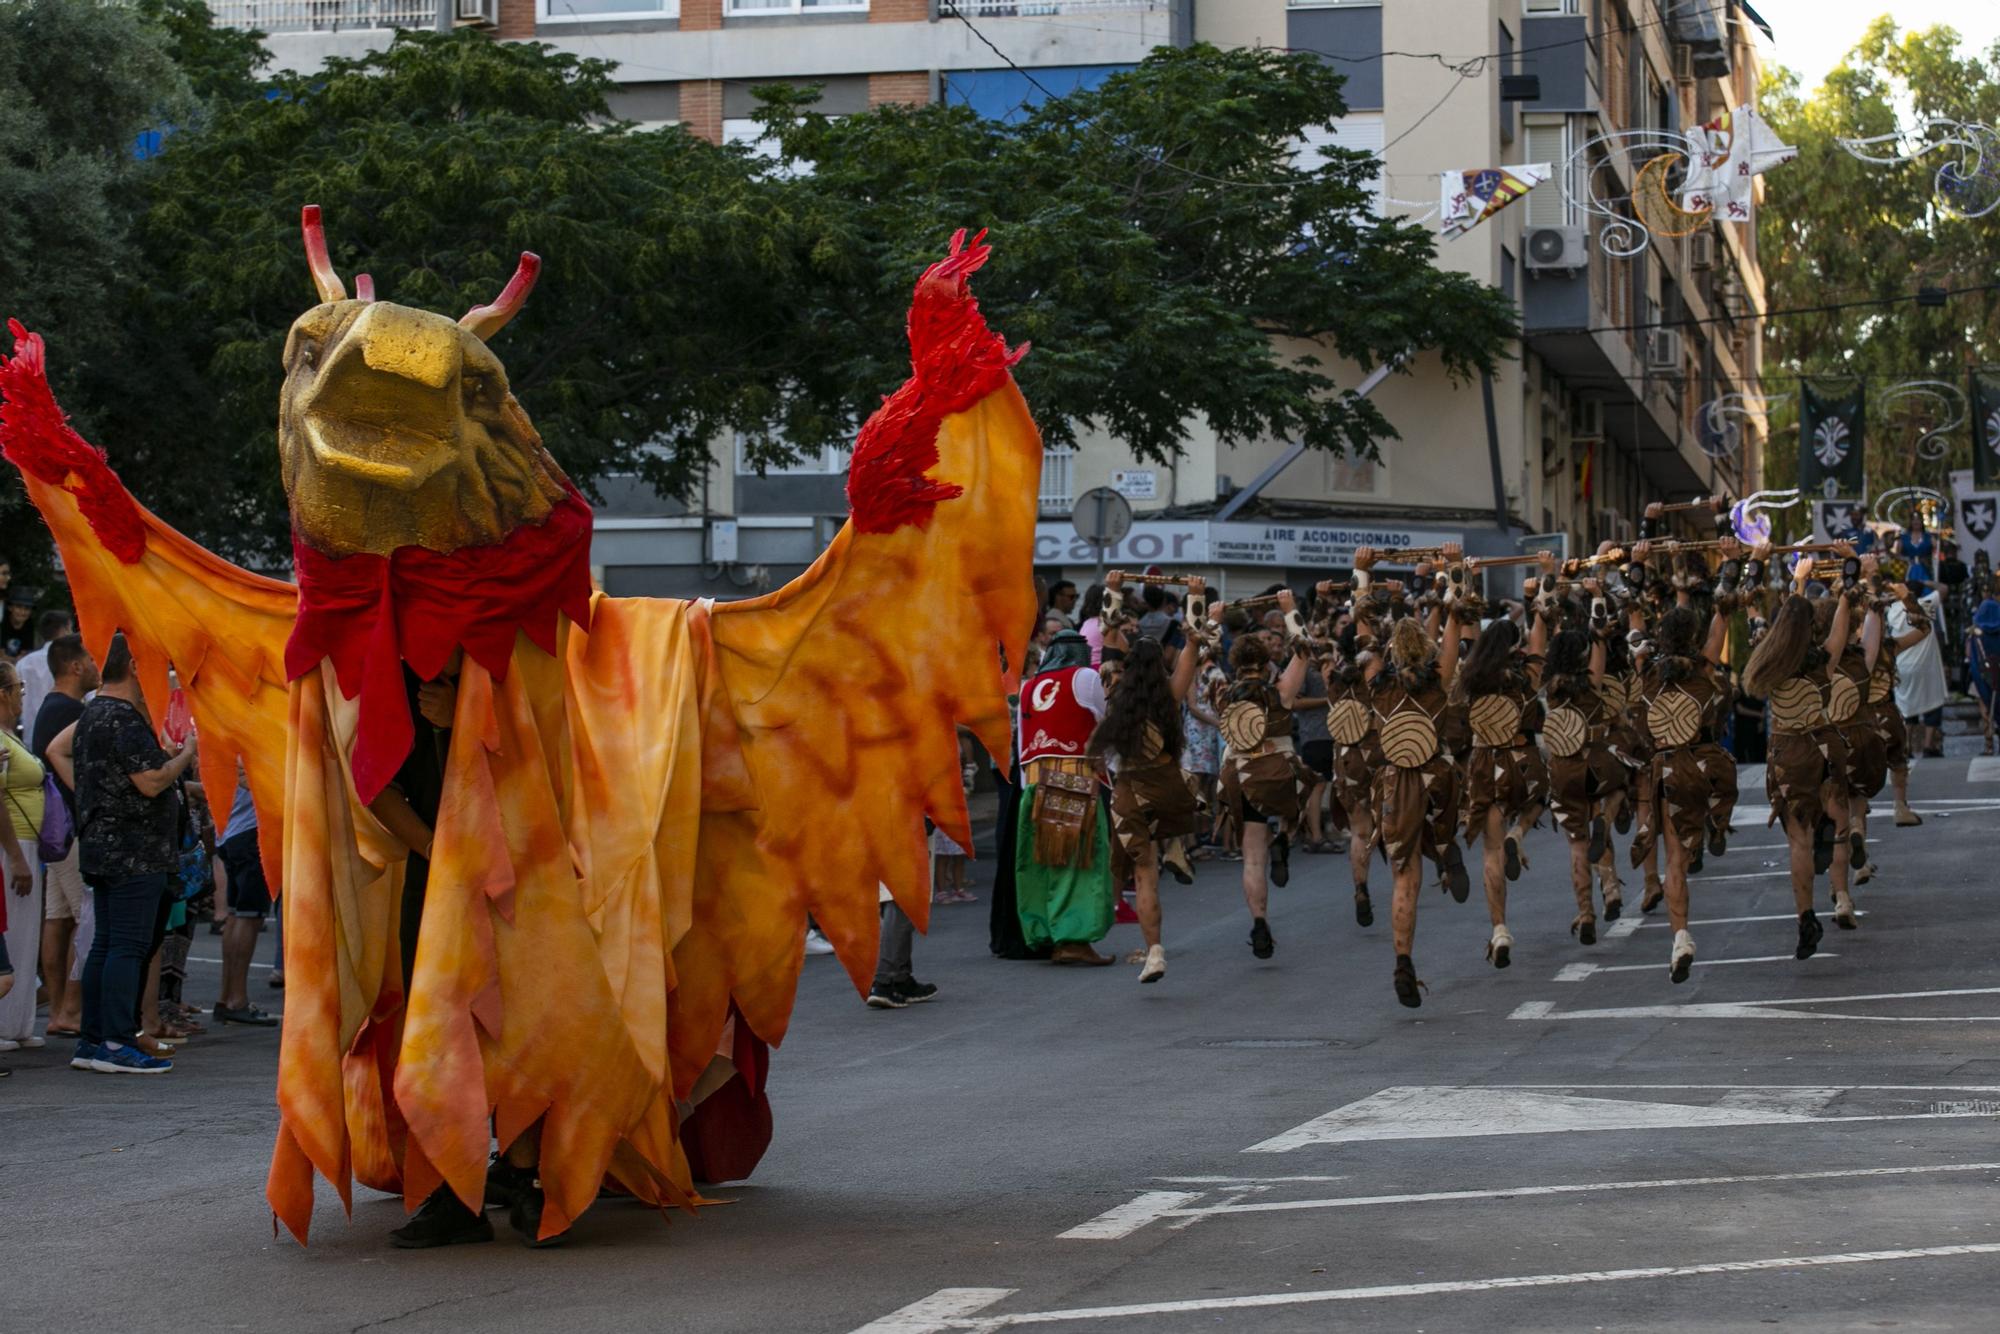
371,614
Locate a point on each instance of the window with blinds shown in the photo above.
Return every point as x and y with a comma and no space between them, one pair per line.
1548,142
1361,133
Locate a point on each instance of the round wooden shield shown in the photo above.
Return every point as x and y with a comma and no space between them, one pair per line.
1496,720
1795,706
1409,738
1347,721
1243,726
1564,731
1843,698
1674,718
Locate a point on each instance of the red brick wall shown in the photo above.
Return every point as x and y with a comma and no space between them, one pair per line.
913,89
517,18
697,15
899,11
701,106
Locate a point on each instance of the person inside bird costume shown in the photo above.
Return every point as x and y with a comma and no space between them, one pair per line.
546,856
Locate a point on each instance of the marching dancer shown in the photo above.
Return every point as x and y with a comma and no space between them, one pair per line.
1805,774
1416,793
1062,853
1260,771
1583,773
1506,777
1357,756
1139,741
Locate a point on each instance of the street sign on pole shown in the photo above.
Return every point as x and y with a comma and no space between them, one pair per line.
1102,518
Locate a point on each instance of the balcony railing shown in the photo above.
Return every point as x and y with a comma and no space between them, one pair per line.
324,15
1009,9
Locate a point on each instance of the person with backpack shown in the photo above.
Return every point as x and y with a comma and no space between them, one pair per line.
1982,662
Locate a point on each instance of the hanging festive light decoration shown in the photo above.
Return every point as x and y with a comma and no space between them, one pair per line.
1748,518
1947,400
1719,421
1893,502
1967,181
1678,183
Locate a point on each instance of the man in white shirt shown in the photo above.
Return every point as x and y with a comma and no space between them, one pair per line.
1920,688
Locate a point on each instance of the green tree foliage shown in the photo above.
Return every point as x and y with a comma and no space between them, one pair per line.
1157,238
1834,229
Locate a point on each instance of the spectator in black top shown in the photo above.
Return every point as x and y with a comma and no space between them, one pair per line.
1062,603
17,628
75,676
128,826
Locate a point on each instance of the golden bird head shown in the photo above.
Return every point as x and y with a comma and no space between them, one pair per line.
396,427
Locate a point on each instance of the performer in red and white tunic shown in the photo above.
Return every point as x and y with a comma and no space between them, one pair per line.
1062,847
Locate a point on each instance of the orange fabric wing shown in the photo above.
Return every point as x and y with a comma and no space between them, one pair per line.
220,628
832,704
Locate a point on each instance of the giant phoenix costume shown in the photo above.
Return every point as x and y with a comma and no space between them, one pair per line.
639,800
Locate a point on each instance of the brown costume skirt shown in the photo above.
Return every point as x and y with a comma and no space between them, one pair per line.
1683,790
1799,767
1514,778
1578,785
1894,732
1149,803
1867,756
1354,780
1416,810
1265,786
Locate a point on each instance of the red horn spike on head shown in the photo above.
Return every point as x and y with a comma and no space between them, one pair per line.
324,278
485,321
364,287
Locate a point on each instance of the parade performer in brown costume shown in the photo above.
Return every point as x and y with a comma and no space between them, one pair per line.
1139,741
1357,754
1805,776
1506,777
1847,702
1685,787
1417,792
1583,772
1260,770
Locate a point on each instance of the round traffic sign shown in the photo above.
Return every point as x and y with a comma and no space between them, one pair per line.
1102,516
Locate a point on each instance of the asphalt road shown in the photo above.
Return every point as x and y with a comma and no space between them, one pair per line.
1260,1146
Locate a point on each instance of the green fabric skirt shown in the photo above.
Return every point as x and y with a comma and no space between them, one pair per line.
1061,905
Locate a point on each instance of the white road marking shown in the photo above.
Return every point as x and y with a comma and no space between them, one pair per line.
939,1311
1128,1218
1624,926
1984,769
1767,1009
918,1318
1577,972
1740,875
198,958
1727,921
1265,1181
1101,1228
1447,1112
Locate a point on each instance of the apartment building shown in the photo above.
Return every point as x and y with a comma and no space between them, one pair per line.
1598,413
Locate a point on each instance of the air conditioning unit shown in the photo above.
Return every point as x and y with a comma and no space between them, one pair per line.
1683,62
1701,250
1663,350
476,13
1589,423
1558,248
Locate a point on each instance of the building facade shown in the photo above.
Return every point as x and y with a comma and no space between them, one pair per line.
1600,410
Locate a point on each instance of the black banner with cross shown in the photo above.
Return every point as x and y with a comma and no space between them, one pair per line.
1985,400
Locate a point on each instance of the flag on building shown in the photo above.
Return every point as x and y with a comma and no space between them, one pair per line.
1985,400
1468,198
1725,158
1976,509
1830,431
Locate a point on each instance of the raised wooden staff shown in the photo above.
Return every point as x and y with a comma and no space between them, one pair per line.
1178,579
1683,506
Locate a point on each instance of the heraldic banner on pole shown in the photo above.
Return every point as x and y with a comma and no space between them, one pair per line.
1984,396
1830,434
1977,508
